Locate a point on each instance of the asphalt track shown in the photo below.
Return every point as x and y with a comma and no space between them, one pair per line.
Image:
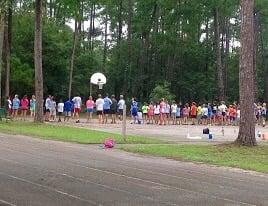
40,172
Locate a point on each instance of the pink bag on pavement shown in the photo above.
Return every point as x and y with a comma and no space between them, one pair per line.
109,143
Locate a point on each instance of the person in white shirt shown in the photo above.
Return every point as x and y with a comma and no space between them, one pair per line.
120,106
156,113
99,107
222,109
77,108
173,112
204,114
60,109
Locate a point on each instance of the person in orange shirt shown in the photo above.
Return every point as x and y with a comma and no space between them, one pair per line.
193,113
232,114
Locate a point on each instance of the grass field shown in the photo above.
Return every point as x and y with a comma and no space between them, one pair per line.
69,134
254,158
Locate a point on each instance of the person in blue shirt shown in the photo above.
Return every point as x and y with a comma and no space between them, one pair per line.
68,107
106,107
15,106
134,109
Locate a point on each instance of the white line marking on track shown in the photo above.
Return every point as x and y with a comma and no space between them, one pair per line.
85,180
7,203
160,173
148,181
48,188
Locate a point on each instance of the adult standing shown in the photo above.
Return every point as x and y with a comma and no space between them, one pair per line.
77,108
113,109
47,108
90,106
120,105
99,107
53,110
107,107
24,107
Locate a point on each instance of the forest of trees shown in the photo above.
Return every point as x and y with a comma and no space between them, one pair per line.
191,46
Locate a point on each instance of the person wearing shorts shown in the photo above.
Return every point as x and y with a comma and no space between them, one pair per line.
99,107
90,106
156,113
24,107
68,106
173,112
120,106
144,110
15,106
113,109
77,108
151,113
60,109
134,110
32,106
193,113
107,107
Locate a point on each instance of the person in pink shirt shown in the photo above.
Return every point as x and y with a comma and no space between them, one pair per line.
24,106
90,106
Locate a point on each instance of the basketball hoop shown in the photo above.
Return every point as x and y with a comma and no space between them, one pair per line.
97,79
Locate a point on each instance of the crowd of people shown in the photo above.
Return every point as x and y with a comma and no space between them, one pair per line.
163,113
159,113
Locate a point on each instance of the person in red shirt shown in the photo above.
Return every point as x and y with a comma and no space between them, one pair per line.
24,107
193,113
232,114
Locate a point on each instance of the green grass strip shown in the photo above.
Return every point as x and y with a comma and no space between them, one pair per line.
69,134
249,158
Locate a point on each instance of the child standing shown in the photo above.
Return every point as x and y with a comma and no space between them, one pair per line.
15,106
144,110
24,107
32,106
156,113
193,113
151,113
68,106
173,112
134,110
60,109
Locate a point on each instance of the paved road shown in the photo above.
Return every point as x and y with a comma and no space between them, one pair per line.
37,172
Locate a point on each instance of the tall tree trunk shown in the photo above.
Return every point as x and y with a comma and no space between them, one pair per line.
255,56
105,42
8,48
75,37
120,23
90,28
246,135
2,25
93,27
50,8
38,61
227,52
220,76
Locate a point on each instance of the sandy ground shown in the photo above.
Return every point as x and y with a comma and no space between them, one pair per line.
174,133
41,172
